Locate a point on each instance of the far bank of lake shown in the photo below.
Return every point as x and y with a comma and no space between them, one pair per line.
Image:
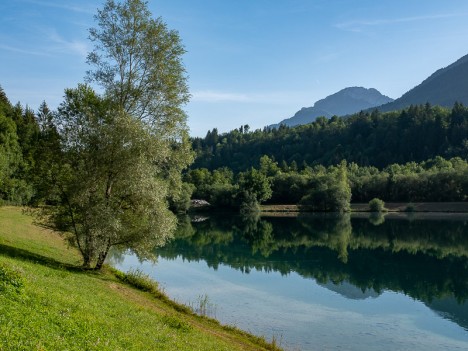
439,207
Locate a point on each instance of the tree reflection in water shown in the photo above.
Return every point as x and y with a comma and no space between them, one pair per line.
426,259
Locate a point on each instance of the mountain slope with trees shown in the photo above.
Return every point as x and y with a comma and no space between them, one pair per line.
415,155
368,139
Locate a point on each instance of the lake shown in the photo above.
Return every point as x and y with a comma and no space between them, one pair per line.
324,282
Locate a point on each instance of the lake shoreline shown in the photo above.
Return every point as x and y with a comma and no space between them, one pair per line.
407,207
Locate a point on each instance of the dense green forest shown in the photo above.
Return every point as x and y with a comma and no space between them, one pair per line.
413,155
21,139
332,188
419,154
368,139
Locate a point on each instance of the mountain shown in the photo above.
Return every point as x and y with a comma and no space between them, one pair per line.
444,87
344,102
350,291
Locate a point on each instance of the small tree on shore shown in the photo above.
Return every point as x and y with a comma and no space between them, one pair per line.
123,151
377,205
254,188
329,191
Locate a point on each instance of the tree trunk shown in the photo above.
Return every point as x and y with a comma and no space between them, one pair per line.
86,261
102,258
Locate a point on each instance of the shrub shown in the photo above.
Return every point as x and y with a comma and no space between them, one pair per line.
249,203
377,205
141,281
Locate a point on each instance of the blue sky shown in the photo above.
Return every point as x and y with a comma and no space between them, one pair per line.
250,62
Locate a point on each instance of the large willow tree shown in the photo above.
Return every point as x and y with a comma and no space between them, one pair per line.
123,151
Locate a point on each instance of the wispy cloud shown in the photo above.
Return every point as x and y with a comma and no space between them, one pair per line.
68,46
359,25
264,98
216,96
23,51
59,5
45,42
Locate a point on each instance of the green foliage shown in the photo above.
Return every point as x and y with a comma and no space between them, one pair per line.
140,280
329,192
376,205
120,154
180,201
434,180
216,187
10,156
138,62
13,187
48,155
254,184
420,153
113,179
374,139
248,203
268,167
289,188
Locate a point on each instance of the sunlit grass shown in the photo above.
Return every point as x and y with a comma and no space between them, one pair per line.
18,232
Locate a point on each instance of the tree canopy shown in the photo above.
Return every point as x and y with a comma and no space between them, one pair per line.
122,152
417,133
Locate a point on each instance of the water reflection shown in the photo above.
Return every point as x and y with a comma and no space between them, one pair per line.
355,257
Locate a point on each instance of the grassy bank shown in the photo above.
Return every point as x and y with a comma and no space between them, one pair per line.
48,303
455,207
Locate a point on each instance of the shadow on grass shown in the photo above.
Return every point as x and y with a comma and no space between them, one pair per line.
26,255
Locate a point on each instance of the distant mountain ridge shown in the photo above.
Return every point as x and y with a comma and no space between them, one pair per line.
444,87
346,101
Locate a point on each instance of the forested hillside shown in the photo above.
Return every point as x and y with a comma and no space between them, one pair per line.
368,139
413,155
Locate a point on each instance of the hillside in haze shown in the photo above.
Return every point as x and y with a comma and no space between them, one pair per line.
345,102
444,87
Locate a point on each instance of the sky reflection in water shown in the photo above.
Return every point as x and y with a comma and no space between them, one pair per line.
306,292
